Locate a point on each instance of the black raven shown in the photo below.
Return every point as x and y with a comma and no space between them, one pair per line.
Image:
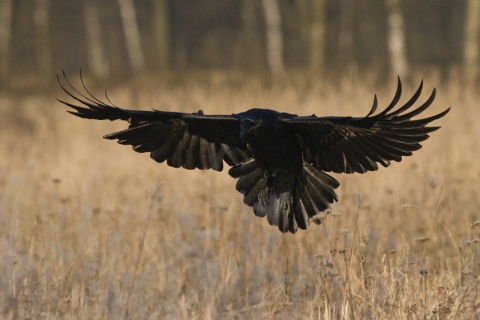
279,159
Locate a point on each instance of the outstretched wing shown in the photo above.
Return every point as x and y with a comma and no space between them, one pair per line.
347,144
184,140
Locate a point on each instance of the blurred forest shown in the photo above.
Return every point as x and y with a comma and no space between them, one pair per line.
111,39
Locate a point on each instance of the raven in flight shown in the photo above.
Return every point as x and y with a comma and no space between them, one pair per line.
279,159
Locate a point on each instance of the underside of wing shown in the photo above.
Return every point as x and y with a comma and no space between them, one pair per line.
191,141
174,143
348,145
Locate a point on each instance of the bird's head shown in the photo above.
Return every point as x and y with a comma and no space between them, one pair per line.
257,123
250,128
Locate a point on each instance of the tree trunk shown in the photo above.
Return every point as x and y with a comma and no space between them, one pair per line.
317,35
98,65
472,23
5,36
132,35
274,36
396,39
42,37
161,31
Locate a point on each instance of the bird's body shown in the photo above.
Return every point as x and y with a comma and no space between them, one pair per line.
268,142
279,159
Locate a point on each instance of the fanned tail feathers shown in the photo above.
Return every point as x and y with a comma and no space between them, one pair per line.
289,201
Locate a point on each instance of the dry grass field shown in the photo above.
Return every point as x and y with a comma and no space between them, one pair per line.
90,229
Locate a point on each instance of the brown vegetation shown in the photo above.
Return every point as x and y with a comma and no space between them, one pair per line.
90,229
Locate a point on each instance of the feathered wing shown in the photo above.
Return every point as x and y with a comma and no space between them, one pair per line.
347,144
183,140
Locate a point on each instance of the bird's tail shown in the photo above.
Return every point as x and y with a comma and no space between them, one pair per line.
288,200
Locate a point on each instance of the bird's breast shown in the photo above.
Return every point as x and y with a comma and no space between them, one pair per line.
282,153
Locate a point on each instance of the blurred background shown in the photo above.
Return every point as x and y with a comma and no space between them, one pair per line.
116,39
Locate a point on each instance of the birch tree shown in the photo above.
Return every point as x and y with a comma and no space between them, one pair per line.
273,36
96,54
472,24
132,35
161,27
396,38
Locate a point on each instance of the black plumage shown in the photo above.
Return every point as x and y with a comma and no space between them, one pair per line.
279,159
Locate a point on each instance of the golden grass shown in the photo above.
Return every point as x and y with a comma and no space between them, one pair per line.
90,229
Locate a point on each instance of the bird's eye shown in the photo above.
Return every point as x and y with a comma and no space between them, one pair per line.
249,122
